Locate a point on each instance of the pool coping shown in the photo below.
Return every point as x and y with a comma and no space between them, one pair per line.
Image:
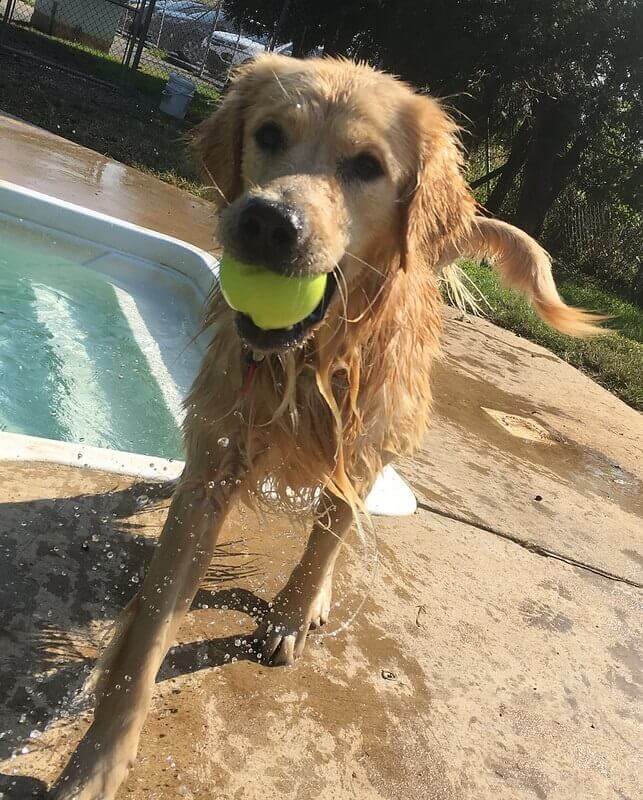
20,447
132,240
98,228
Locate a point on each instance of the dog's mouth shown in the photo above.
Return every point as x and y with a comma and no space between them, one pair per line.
270,341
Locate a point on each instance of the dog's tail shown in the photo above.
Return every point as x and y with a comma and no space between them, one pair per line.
523,265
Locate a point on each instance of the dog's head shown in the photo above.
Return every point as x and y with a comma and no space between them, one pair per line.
325,166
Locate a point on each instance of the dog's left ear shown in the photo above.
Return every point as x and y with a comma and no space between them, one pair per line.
439,208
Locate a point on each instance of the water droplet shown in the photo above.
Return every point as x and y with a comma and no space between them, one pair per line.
110,554
223,441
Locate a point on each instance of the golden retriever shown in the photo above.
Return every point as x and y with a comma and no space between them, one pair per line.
320,166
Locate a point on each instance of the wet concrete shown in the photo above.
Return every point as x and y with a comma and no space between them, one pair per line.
38,160
477,668
586,476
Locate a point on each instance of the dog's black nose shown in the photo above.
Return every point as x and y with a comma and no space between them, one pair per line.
269,233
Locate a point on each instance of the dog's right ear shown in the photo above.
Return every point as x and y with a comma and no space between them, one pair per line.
439,206
218,144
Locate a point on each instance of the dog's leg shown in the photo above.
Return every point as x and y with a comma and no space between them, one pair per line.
128,669
305,600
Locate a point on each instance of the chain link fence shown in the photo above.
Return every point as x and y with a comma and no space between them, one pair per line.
200,40
92,24
599,240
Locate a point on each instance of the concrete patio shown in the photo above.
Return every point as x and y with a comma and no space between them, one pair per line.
497,650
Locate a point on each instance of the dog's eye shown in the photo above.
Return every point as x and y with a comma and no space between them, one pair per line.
270,137
362,167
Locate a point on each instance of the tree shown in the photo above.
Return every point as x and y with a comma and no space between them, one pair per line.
309,24
555,79
551,75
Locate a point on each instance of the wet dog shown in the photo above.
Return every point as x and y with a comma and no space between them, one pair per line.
319,166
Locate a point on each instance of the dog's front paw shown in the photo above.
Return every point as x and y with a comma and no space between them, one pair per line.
283,632
98,767
319,611
281,639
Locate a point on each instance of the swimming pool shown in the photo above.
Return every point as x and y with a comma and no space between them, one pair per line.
97,344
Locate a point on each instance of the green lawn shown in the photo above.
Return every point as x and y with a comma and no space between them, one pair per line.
615,361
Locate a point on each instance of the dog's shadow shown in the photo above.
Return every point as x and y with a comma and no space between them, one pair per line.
70,563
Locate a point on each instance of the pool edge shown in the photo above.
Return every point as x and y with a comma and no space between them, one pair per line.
22,448
116,235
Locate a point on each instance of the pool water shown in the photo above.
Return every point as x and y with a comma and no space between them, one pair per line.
95,346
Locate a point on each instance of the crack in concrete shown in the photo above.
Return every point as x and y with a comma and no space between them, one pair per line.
531,547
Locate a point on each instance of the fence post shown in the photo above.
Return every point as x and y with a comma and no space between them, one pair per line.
209,42
487,160
6,18
234,53
142,33
279,25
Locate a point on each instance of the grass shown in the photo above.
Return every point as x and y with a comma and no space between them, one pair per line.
627,316
123,122
615,361
118,118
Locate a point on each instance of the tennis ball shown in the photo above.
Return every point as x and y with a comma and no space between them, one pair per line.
270,300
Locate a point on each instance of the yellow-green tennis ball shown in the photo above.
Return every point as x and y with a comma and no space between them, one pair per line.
270,300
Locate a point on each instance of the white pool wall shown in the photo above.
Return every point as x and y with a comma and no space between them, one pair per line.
134,247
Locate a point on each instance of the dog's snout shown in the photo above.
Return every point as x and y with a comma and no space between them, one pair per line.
269,232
